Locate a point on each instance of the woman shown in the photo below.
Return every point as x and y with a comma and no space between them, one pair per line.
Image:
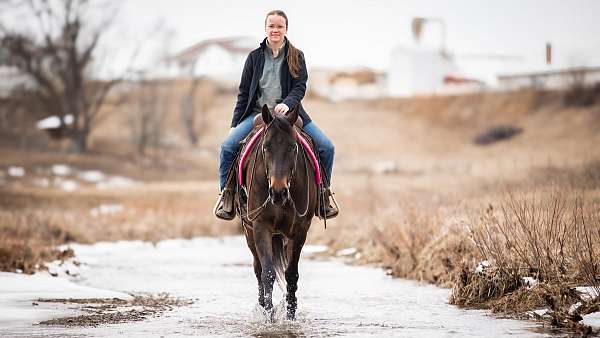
274,74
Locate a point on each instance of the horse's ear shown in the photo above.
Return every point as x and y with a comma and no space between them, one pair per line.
266,114
292,115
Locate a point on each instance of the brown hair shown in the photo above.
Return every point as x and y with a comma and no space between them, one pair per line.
293,54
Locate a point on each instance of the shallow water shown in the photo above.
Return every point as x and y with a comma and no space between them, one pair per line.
334,299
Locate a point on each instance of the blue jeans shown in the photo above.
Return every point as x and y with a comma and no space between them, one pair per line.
231,146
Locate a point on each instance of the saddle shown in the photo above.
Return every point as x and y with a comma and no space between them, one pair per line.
252,138
237,173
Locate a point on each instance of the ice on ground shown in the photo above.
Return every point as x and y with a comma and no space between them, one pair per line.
346,252
482,266
61,170
18,291
106,209
93,176
15,171
116,182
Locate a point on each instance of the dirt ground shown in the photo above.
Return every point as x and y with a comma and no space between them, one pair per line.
100,311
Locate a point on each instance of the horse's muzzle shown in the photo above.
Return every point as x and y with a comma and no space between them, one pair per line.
279,196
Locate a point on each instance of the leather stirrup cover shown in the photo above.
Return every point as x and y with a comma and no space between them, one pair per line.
228,200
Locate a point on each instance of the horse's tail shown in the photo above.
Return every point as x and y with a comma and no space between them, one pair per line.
279,261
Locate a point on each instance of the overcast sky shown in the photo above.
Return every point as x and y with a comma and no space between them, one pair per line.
363,32
345,33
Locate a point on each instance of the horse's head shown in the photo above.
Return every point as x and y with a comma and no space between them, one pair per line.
279,149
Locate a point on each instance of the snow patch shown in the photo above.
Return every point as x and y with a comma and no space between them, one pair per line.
61,170
68,185
529,282
315,248
53,122
483,265
573,309
15,171
588,292
93,176
385,167
592,319
539,312
58,268
42,182
106,209
346,252
116,182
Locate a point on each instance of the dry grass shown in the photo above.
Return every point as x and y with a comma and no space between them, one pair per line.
552,237
28,241
417,244
34,222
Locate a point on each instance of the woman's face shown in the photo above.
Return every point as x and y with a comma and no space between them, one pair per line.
275,28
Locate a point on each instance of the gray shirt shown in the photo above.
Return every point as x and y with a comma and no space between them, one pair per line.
269,85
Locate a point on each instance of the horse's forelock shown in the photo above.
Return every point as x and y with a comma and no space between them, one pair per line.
281,123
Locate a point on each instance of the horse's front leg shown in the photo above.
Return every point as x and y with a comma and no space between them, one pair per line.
263,240
257,266
291,274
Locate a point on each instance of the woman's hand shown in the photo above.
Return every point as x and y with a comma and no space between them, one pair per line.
281,108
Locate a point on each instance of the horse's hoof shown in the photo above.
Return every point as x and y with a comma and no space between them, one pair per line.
291,316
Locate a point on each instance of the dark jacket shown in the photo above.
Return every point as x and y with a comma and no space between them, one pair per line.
292,89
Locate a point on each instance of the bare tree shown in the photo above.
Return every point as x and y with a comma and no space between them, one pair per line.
193,113
147,114
58,59
188,112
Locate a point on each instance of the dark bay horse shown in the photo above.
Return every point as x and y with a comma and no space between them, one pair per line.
281,192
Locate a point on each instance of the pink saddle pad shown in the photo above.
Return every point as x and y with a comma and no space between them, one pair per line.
248,149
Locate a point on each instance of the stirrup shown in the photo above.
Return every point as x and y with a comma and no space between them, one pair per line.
324,205
334,206
220,212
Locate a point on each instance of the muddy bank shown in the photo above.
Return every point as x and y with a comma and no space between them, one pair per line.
102,311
